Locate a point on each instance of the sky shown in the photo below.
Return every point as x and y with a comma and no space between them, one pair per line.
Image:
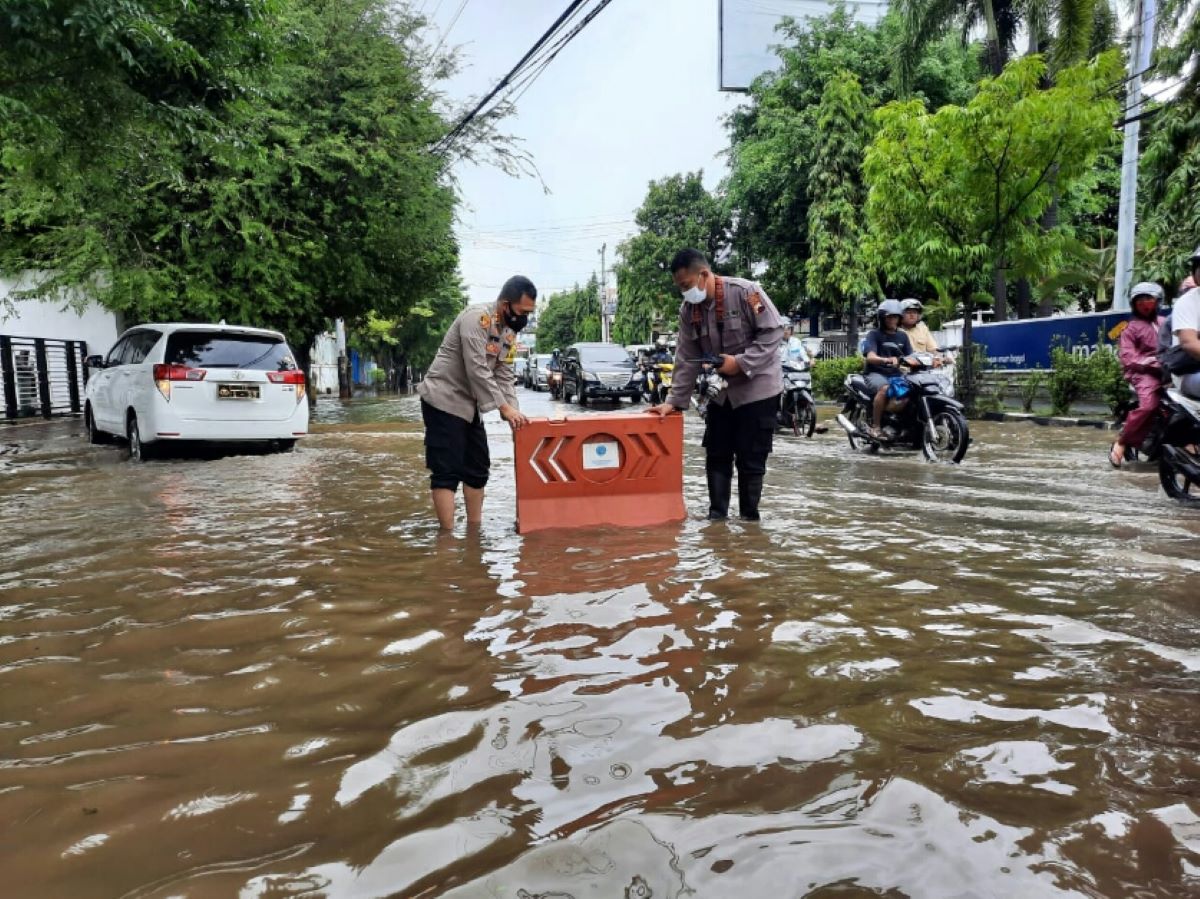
633,98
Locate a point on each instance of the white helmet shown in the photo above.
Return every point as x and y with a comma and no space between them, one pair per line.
905,305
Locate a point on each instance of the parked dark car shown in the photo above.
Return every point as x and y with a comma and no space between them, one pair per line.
599,371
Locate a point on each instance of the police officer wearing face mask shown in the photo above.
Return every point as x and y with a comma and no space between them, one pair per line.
734,320
472,373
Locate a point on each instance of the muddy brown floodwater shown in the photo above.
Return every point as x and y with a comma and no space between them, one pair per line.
265,675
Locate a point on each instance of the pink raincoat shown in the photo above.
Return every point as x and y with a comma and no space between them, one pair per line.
1138,352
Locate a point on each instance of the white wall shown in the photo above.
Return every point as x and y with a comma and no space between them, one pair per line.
36,318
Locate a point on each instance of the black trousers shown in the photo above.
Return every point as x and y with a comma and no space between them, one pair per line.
744,436
455,450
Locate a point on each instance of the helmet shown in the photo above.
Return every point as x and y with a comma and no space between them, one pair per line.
662,341
1146,289
886,308
905,305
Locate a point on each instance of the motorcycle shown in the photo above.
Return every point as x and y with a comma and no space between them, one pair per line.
1179,458
925,418
797,410
654,379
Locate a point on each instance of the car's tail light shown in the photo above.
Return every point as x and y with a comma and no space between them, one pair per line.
165,374
289,377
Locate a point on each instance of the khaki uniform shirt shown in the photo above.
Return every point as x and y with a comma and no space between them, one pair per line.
752,332
920,338
473,369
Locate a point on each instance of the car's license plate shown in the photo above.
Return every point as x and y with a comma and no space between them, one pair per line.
237,391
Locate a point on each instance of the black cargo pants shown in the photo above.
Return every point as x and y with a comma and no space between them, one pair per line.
743,436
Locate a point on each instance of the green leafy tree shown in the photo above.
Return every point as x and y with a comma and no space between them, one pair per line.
678,212
773,137
277,173
959,192
837,269
570,316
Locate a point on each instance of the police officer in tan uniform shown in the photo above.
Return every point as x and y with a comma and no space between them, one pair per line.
733,319
472,373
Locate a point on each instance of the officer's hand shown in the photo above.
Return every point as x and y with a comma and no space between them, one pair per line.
662,410
513,416
729,366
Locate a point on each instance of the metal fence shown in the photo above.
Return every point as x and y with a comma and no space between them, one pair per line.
41,376
837,348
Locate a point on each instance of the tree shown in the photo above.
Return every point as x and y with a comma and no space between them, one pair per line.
570,316
1169,189
302,193
678,212
838,273
958,192
773,137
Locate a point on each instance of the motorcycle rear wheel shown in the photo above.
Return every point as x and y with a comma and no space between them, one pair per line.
1176,484
952,437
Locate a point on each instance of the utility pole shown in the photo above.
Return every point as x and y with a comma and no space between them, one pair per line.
1139,61
603,294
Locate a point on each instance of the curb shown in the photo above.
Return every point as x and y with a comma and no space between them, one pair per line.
1051,421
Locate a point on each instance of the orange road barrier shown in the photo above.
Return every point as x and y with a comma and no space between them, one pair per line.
587,470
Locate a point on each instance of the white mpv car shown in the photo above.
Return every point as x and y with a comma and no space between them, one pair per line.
165,383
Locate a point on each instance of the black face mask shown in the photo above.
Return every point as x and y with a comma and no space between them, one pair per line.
514,321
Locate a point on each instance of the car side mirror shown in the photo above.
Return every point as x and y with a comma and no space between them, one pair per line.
94,362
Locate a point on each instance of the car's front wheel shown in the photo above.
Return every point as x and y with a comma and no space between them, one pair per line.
138,451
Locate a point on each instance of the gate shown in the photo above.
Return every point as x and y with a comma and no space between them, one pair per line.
41,376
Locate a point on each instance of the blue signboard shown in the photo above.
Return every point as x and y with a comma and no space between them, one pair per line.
1027,343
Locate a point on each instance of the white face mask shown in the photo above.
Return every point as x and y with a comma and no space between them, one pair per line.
695,294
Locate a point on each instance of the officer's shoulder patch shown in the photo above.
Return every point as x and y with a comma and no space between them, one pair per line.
756,303
485,321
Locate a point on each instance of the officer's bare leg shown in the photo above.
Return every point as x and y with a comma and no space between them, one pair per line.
443,505
474,500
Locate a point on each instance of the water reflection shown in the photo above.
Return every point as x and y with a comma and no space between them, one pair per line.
267,675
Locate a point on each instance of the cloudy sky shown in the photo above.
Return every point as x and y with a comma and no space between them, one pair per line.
633,98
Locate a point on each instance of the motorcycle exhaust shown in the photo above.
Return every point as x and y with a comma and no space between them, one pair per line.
846,425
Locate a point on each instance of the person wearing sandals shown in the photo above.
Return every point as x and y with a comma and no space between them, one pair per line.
1138,352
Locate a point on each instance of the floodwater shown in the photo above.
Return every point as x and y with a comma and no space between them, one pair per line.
266,675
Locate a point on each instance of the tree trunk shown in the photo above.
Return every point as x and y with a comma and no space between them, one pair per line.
1024,298
1049,223
999,292
814,318
852,327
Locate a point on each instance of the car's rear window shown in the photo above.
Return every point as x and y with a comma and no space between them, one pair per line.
602,355
221,349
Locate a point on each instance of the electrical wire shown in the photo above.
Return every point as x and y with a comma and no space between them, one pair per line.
450,27
444,144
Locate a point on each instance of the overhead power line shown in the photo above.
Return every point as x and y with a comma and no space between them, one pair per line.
521,67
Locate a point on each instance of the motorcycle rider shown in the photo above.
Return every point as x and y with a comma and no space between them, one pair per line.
918,332
792,349
883,363
1185,327
1138,352
734,319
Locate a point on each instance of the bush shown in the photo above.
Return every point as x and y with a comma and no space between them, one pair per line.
1108,378
1030,388
378,376
828,375
1070,379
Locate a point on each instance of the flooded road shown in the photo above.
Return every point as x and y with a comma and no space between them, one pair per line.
267,675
